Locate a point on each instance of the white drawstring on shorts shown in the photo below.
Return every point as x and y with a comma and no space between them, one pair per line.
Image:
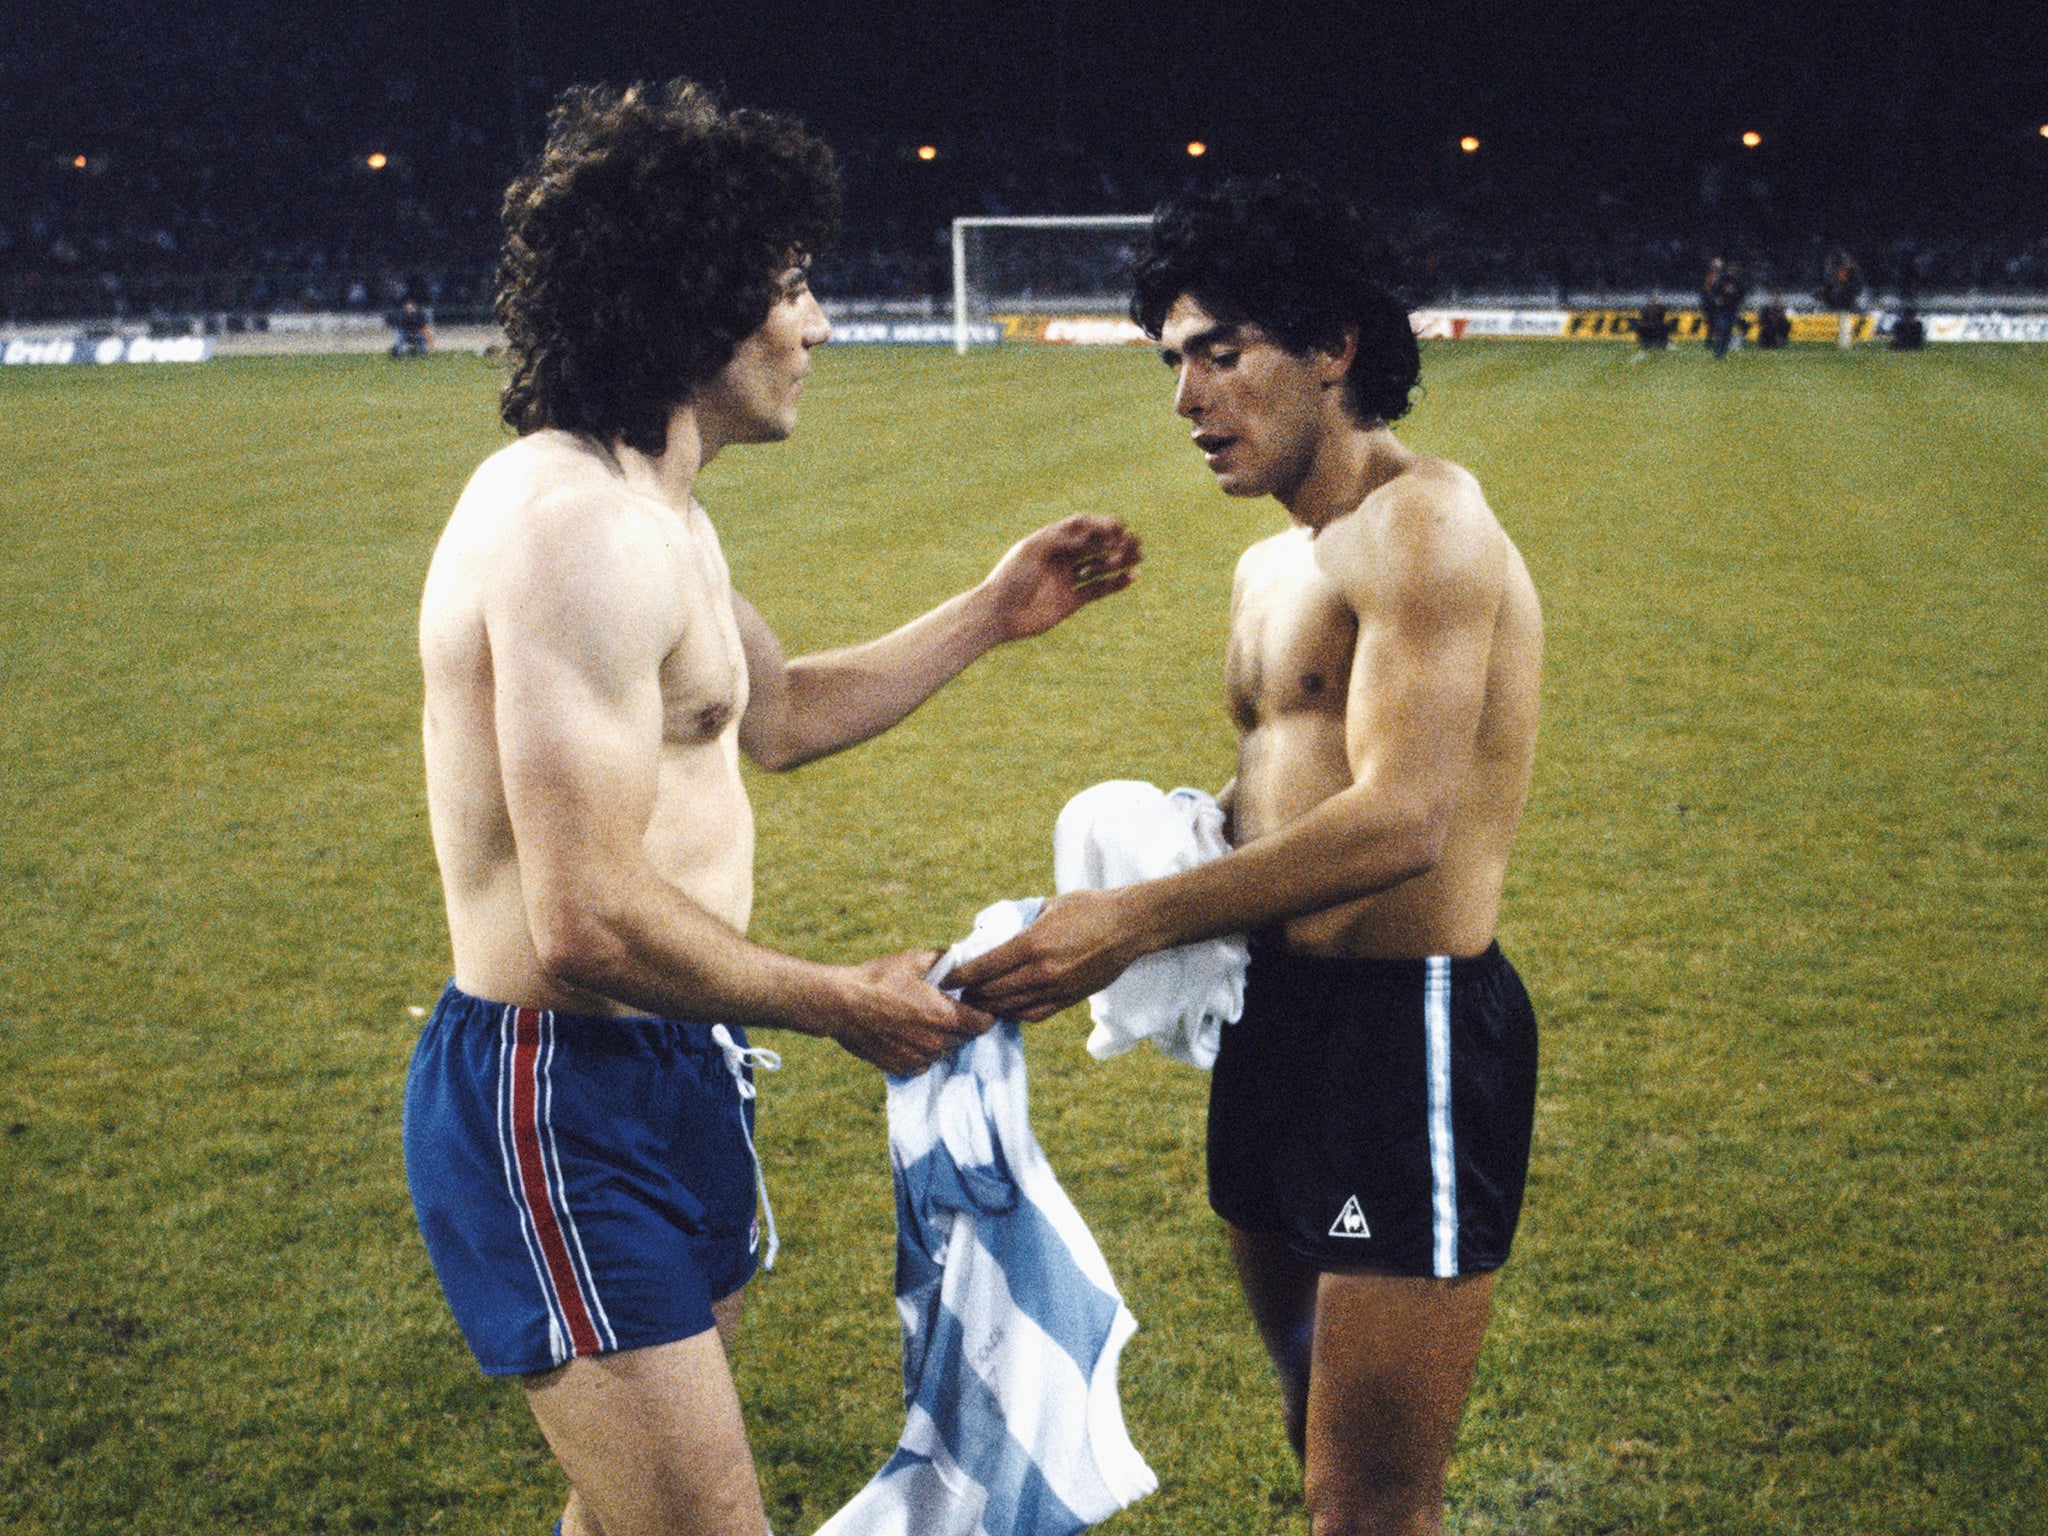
737,1059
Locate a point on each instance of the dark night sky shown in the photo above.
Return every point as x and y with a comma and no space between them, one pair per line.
1905,99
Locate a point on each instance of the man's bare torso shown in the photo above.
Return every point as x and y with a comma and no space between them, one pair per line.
700,835
1292,673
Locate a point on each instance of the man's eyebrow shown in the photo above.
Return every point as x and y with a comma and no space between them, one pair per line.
1208,339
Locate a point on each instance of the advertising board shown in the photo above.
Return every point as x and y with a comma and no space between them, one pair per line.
106,349
1986,327
911,333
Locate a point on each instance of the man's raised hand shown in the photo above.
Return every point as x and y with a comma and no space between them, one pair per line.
1058,570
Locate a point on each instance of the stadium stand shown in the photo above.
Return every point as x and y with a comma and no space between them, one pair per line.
297,201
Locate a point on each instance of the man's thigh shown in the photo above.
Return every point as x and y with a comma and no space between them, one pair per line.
1391,1367
726,1312
652,1440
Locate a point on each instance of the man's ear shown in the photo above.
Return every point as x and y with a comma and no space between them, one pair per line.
1335,363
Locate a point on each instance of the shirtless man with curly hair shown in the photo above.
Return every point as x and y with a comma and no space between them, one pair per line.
578,1112
1370,1113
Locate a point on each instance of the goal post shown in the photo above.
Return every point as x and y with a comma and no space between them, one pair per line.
1044,262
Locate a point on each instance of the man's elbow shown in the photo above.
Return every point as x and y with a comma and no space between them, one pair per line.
1425,852
577,949
777,751
1414,840
775,756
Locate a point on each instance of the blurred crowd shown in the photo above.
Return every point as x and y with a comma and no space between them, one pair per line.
236,223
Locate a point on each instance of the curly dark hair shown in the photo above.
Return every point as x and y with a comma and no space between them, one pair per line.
644,244
1294,260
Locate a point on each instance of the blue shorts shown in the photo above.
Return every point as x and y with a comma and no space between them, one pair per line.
584,1184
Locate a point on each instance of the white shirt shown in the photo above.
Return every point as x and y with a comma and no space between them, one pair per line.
1120,833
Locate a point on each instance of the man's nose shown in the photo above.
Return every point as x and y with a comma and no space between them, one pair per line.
1186,397
817,326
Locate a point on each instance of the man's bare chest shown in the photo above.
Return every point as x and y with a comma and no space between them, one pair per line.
704,673
1292,639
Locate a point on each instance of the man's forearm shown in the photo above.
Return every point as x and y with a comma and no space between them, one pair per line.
1341,850
662,952
1347,847
653,948
838,699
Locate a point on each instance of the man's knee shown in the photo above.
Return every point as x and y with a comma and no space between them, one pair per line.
1381,1499
1393,1365
652,1441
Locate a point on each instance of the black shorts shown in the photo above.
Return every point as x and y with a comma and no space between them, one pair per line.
1375,1114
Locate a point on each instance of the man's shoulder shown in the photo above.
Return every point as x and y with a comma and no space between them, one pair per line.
551,488
1437,480
1432,502
543,469
1428,525
1286,544
1276,562
548,524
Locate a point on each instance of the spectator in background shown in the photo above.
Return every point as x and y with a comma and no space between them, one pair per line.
415,335
1653,325
1841,290
1909,331
1773,325
1722,291
1708,284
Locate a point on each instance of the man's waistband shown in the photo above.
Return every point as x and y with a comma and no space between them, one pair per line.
1269,948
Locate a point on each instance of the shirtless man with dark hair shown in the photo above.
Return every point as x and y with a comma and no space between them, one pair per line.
1370,1113
578,1119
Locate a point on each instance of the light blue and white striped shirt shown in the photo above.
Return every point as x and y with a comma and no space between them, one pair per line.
1011,1322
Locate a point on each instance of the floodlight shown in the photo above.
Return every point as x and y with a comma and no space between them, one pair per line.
1197,148
2044,130
78,161
377,161
927,152
1751,139
1469,144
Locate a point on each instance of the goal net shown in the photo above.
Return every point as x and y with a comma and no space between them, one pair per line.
1050,264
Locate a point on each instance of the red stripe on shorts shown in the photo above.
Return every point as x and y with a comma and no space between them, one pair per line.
533,1182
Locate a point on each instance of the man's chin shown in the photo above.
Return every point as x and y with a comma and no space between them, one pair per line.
772,431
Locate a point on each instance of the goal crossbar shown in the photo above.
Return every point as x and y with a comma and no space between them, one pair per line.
1020,221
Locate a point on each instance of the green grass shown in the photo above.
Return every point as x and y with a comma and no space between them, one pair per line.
1781,897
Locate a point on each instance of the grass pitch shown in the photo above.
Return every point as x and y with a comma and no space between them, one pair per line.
1781,898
